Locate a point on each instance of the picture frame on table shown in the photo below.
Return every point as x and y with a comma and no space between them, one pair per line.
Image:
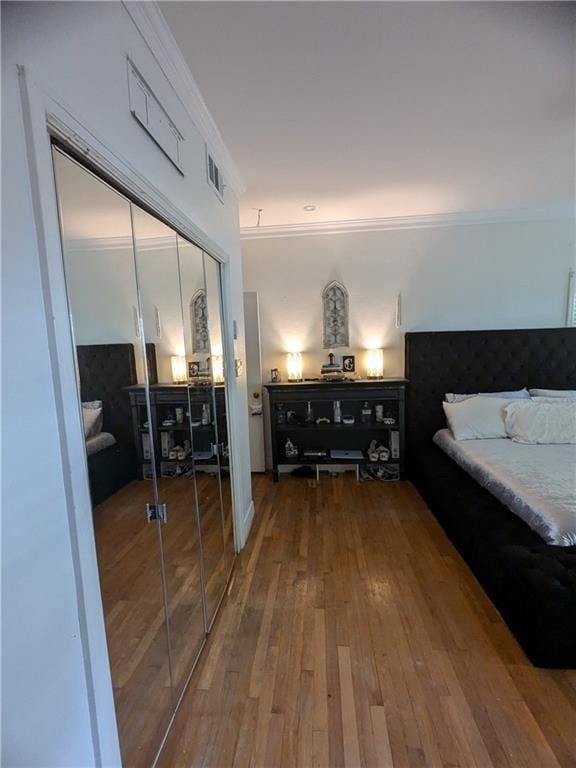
349,363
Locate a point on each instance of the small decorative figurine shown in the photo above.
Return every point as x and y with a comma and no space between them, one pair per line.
290,450
331,370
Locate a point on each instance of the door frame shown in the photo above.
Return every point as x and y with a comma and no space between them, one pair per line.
45,119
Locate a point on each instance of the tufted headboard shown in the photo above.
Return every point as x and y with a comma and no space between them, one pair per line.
480,361
105,371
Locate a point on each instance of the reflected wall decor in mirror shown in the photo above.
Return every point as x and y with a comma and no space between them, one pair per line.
146,316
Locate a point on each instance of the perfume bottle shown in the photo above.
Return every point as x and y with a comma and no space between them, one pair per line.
280,414
337,412
366,414
309,414
205,414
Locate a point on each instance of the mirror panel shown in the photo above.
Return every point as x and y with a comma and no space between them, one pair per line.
159,287
111,365
146,315
202,370
214,304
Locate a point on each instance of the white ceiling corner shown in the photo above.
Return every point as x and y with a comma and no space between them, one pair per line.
152,24
386,114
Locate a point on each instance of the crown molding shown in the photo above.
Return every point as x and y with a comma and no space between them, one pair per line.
426,221
120,243
153,27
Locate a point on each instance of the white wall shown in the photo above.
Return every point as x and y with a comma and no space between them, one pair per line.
492,275
56,695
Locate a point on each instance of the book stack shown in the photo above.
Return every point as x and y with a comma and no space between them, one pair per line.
332,372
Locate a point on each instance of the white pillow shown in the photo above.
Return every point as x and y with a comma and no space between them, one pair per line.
566,393
477,418
541,421
516,394
93,418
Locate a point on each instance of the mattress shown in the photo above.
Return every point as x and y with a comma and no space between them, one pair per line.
536,482
99,442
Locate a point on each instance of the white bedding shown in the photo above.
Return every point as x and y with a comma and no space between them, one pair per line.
99,442
537,482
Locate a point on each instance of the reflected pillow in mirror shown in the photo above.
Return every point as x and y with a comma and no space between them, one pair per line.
93,418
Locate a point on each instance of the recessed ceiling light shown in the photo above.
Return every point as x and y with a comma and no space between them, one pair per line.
309,207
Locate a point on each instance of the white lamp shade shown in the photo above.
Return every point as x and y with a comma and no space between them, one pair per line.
294,366
375,363
218,368
178,365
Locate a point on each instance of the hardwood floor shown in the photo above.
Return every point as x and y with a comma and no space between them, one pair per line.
354,635
152,646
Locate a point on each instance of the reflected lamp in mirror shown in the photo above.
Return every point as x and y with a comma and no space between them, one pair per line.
375,364
294,366
218,368
179,372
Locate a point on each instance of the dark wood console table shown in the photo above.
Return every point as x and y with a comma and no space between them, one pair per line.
288,419
207,441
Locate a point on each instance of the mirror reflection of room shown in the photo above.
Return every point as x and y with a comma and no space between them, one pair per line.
152,393
217,341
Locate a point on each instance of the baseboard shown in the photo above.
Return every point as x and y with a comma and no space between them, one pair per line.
247,522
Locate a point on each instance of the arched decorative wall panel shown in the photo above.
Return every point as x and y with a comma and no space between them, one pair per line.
335,315
201,338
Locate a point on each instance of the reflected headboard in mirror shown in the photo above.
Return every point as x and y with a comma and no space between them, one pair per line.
437,362
105,370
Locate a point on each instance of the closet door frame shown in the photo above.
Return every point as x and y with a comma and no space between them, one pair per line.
46,121
229,372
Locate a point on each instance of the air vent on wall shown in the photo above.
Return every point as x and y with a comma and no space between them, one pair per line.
152,116
214,175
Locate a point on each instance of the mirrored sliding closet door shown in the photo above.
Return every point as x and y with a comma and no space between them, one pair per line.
205,378
113,363
217,341
146,316
171,423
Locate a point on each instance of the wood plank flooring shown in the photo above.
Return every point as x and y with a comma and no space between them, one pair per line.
354,635
152,648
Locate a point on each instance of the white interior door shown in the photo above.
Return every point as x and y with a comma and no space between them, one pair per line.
254,381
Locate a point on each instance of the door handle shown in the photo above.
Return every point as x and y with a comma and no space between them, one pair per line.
156,512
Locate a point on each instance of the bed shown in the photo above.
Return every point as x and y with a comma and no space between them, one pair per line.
535,482
105,370
531,582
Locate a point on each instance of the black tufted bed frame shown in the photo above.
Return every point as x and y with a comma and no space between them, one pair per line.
533,584
105,370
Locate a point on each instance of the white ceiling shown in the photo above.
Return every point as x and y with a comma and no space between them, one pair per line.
377,110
